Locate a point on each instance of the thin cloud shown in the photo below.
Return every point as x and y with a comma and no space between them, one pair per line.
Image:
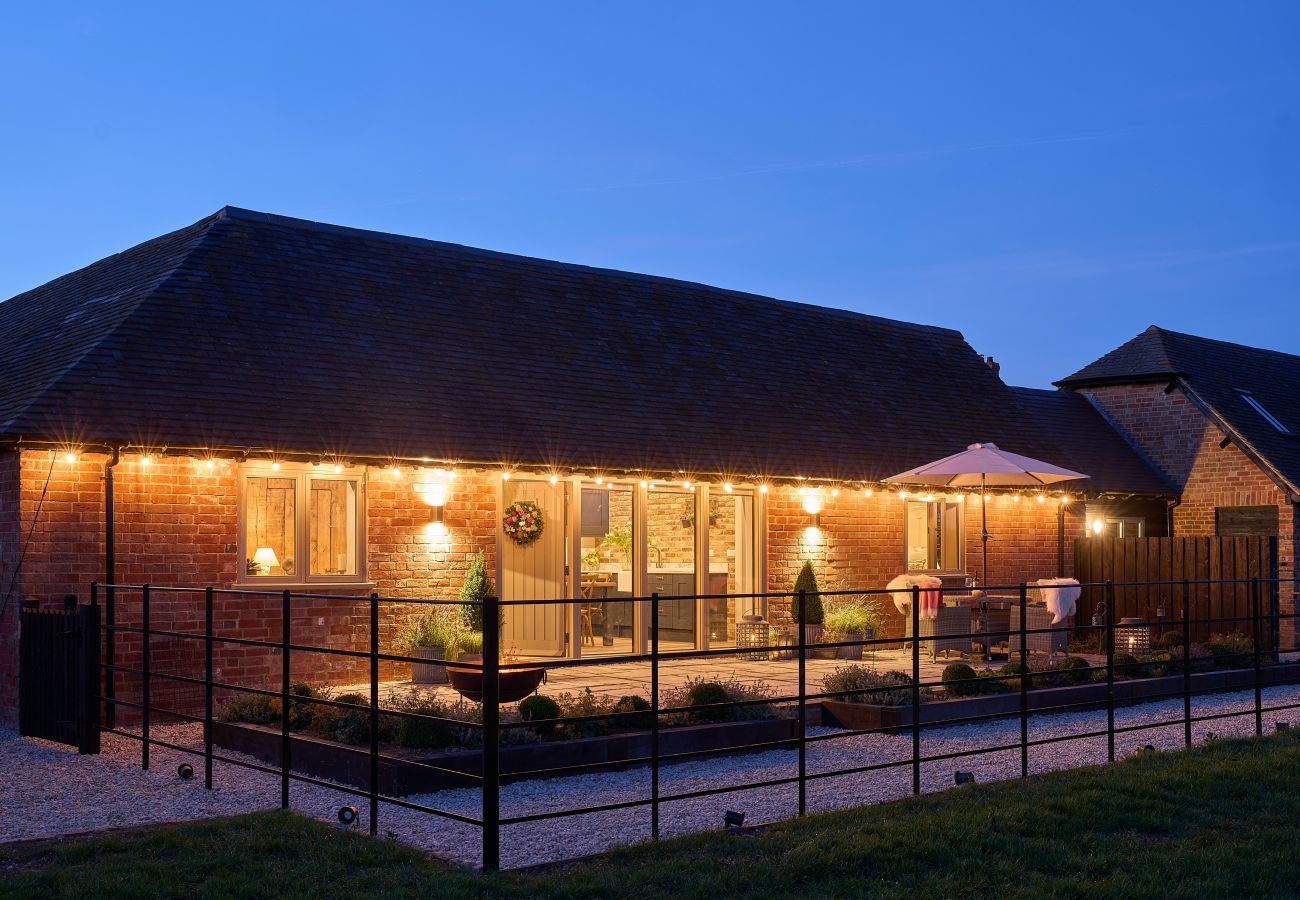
869,159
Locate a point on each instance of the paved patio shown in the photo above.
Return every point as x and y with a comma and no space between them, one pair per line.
780,676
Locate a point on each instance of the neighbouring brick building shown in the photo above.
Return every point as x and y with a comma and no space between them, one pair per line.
270,404
1219,421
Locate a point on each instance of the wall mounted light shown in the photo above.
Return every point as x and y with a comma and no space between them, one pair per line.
812,504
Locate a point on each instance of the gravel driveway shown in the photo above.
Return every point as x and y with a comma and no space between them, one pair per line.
55,791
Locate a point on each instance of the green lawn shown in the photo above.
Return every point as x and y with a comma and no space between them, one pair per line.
1216,821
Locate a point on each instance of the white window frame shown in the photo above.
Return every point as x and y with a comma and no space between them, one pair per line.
930,516
304,473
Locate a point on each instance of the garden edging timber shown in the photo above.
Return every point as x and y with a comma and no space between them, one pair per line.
405,771
891,719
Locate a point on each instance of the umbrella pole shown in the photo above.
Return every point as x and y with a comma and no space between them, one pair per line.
984,531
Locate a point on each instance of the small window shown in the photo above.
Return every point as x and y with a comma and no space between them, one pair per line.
932,531
301,526
1258,407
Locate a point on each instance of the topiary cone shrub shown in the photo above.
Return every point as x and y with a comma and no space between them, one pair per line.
476,589
807,582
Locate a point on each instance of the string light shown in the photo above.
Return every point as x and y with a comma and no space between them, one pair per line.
762,488
902,495
866,492
146,460
555,479
599,480
275,466
337,468
505,476
396,471
1040,498
1015,499
69,457
835,492
644,483
210,463
1065,501
686,484
726,486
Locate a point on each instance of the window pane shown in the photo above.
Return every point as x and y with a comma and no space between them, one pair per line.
670,532
950,550
269,526
731,563
332,527
606,587
917,529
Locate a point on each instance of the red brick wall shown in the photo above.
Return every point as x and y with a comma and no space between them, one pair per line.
1185,445
9,550
861,542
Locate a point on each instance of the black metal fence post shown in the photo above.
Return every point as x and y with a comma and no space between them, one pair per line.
285,745
491,734
110,657
1256,603
916,689
374,714
1110,670
207,688
654,723
88,678
1024,681
1187,664
802,624
144,677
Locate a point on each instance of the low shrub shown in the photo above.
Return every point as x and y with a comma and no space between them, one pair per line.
883,688
256,709
539,707
407,731
707,693
1011,673
632,703
959,680
1231,651
1127,665
1169,640
1074,670
690,693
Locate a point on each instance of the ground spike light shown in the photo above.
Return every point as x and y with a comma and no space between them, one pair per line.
732,819
348,816
185,771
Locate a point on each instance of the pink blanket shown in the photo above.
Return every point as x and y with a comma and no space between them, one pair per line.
930,601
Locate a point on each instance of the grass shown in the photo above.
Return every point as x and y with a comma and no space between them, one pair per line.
1215,821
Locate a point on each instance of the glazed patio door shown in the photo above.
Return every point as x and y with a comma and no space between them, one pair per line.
535,571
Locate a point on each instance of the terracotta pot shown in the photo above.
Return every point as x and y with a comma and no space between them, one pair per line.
516,681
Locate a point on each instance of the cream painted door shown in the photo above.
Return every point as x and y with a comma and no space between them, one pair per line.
535,572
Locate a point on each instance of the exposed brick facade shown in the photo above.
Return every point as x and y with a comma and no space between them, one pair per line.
1185,445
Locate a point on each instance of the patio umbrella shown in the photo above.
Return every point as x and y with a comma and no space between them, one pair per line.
987,466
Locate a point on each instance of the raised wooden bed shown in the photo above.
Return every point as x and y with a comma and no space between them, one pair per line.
403,772
892,719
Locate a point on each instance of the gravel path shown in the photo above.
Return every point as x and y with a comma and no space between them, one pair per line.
60,792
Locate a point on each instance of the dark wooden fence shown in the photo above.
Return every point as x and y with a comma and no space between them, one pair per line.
1175,559
58,676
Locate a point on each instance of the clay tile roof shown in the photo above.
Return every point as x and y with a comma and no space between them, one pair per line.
1088,443
254,330
1220,376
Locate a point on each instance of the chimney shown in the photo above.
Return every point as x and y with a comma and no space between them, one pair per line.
993,364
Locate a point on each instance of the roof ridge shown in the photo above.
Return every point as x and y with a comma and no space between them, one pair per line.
1167,332
203,226
252,215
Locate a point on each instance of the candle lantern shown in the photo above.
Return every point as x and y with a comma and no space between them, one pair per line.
752,632
1133,636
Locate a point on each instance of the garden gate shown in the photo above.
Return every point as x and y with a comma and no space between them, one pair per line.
58,675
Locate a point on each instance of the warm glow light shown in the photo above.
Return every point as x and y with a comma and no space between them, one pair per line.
812,504
986,498
434,494
436,532
686,484
609,486
69,457
803,491
505,476
1096,526
1016,498
1065,501
1040,498
266,560
337,468
929,498
762,489
599,480
644,483
275,467
395,471
902,495
210,464
650,486
726,486
835,492
866,492
555,479
146,460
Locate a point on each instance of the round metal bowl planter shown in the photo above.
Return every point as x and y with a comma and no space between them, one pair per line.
517,680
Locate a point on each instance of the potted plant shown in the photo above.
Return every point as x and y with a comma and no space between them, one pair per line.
432,635
814,615
477,589
856,620
779,639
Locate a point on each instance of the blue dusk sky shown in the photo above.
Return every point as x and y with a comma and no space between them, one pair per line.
1048,178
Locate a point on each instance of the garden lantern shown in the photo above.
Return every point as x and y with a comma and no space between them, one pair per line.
1133,636
751,633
